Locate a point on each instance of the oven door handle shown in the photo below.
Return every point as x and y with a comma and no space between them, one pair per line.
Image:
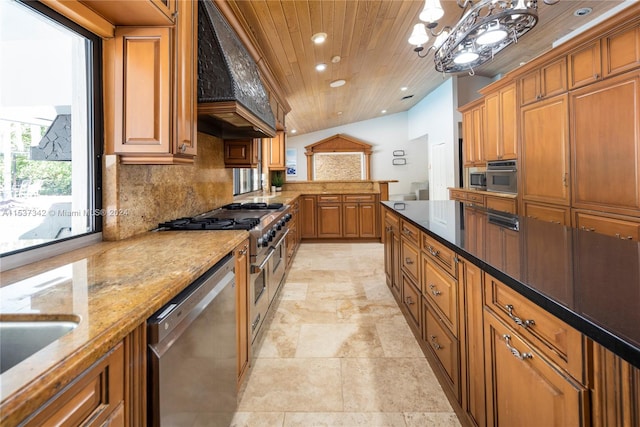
502,170
281,239
258,268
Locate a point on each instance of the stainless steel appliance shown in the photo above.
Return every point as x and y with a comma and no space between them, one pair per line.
478,180
267,226
502,176
193,355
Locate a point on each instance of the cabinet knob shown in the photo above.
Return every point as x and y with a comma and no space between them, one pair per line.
434,291
514,351
434,343
183,147
409,301
408,261
596,76
518,321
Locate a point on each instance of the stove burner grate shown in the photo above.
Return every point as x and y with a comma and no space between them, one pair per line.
211,224
252,206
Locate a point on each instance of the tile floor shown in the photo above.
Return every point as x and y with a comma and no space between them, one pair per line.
336,350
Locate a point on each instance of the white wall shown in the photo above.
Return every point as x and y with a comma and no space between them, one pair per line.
434,120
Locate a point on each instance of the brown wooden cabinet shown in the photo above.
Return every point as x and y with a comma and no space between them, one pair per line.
473,133
150,116
443,345
550,213
502,248
392,252
544,82
95,398
411,301
544,160
329,216
503,204
275,151
241,153
472,396
615,399
501,127
621,51
625,228
584,65
242,308
308,228
605,145
293,237
525,389
141,12
360,216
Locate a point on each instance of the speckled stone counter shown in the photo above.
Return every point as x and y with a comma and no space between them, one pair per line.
590,281
111,287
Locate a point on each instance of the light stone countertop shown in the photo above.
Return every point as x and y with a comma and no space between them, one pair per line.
112,287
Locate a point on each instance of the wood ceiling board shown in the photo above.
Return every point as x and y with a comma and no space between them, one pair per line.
376,59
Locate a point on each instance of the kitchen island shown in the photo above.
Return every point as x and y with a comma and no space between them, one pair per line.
111,288
503,303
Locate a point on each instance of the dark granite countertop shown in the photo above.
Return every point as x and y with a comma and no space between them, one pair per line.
590,281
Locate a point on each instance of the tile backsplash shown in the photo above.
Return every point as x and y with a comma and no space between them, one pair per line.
145,195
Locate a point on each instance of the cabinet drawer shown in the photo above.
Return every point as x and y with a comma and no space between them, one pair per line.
555,214
334,198
501,204
410,260
442,292
391,219
411,300
620,228
458,195
444,256
476,199
443,345
91,399
410,232
359,197
554,338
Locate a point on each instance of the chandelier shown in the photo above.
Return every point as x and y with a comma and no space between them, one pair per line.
484,29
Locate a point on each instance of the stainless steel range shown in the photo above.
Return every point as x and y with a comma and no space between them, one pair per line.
267,226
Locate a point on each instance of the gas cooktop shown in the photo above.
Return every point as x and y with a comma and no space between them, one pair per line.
210,223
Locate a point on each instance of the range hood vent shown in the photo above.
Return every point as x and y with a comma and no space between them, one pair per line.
232,102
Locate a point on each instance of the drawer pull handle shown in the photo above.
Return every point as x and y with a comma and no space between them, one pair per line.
434,291
587,228
514,351
624,238
389,228
408,261
409,301
524,323
407,231
433,251
434,343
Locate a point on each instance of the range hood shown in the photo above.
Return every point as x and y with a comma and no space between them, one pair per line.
232,102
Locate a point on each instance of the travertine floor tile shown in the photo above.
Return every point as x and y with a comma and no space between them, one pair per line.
293,385
343,419
433,419
339,340
391,385
337,351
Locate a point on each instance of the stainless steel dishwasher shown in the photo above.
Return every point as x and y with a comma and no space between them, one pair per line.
192,353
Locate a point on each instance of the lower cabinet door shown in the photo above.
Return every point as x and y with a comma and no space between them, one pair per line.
411,300
523,388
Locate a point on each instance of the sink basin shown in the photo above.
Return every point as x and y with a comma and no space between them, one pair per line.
20,339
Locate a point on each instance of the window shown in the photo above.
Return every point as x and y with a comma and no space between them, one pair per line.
50,133
246,180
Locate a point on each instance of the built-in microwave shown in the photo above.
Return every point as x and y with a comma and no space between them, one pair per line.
502,176
478,180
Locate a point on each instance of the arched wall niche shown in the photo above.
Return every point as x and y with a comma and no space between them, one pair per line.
338,158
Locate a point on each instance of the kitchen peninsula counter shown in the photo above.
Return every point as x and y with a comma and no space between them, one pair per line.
112,287
588,280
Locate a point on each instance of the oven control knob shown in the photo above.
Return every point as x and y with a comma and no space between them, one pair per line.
278,226
287,217
272,234
266,239
262,242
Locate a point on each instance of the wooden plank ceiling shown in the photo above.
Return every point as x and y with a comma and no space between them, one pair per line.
376,61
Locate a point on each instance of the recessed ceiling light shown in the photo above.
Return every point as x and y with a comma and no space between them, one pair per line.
293,131
337,83
336,59
319,38
584,11
383,111
339,112
321,67
403,88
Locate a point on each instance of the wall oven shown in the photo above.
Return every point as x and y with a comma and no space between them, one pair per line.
502,176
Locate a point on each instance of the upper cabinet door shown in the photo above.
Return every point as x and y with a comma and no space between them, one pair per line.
501,128
185,139
585,65
621,51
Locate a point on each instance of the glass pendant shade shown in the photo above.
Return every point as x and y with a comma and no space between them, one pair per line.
419,35
466,56
432,11
492,34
